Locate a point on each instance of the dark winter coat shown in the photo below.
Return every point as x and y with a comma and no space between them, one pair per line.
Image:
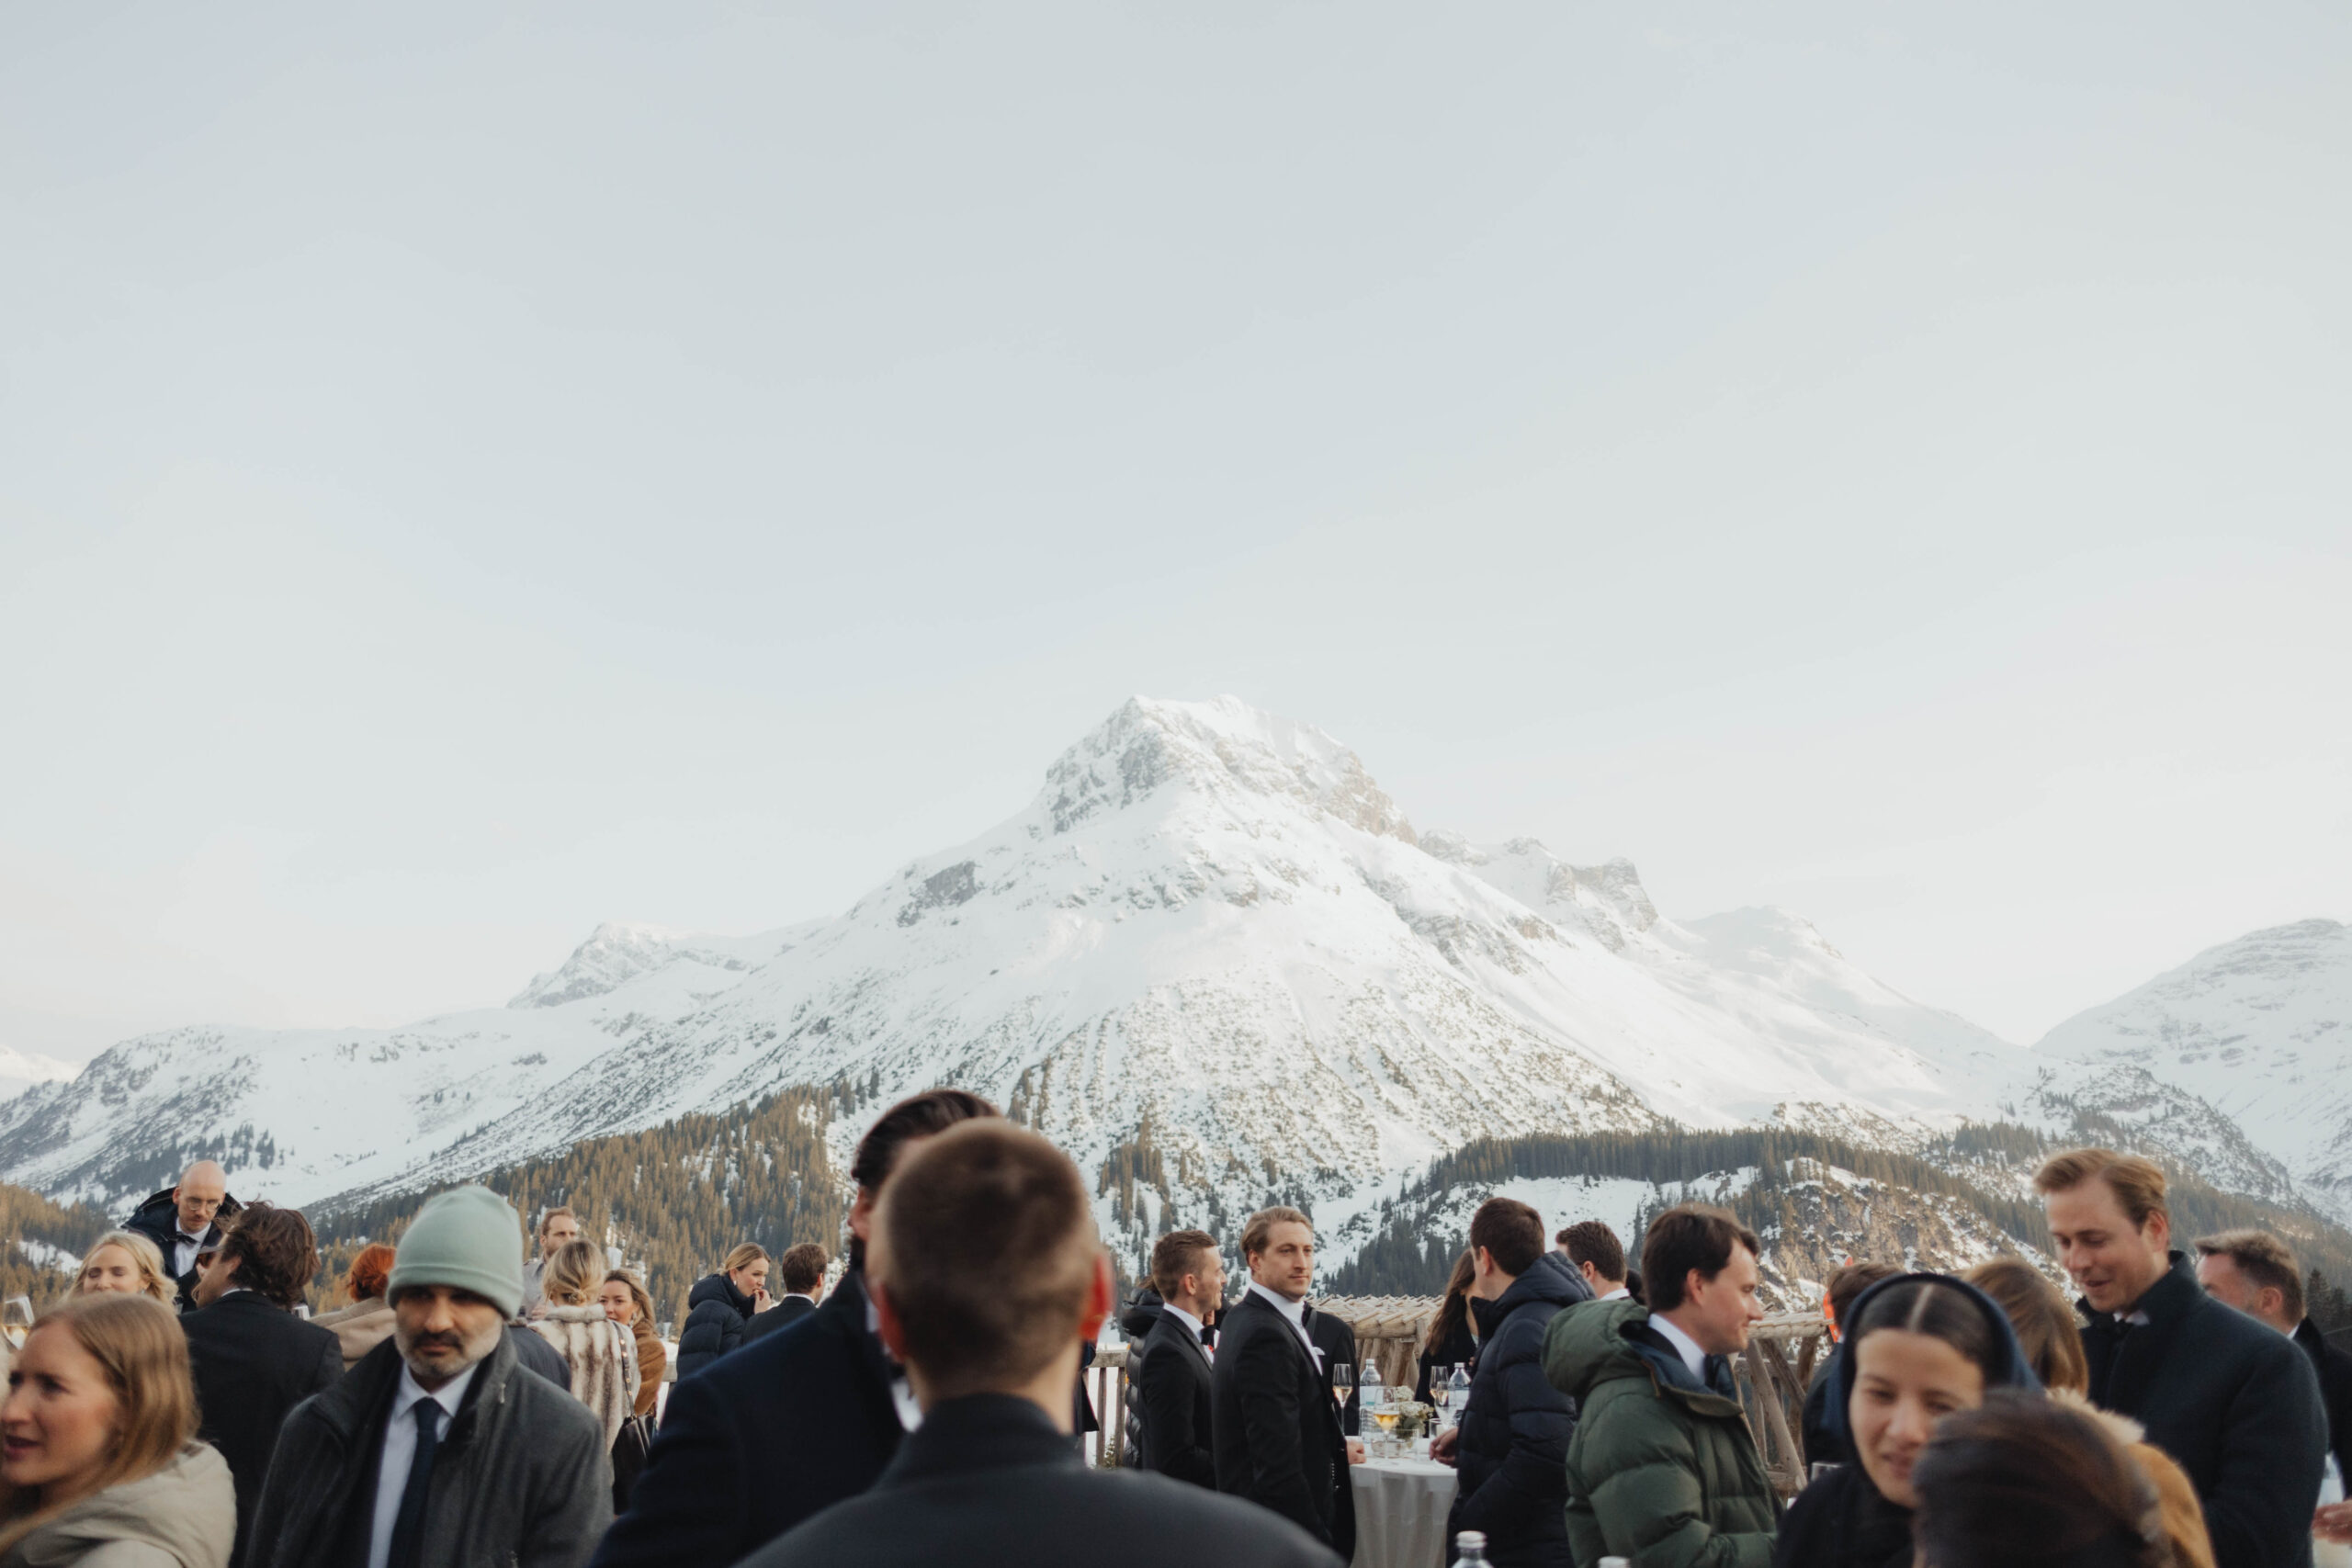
1174,1404
1515,1433
716,1311
1662,1470
782,1315
1461,1346
802,1420
253,1362
987,1481
1842,1520
1277,1436
2333,1365
521,1479
1336,1338
2231,1399
158,1219
1136,1318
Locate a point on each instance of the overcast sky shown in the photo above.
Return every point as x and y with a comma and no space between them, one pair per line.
468,473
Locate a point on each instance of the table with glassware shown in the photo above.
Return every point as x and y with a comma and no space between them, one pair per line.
1402,1496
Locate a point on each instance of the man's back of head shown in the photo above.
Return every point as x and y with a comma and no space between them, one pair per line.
802,1269
269,1251
985,1264
1597,1253
1506,1238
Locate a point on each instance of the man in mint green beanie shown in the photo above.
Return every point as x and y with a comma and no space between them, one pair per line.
439,1447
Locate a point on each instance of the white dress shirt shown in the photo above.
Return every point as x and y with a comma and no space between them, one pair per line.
1620,1294
1687,1347
1296,1312
902,1393
185,1249
400,1451
1191,1324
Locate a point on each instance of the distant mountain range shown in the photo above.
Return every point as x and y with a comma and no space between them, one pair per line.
1215,961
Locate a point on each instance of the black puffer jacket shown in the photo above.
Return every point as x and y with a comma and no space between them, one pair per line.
1514,1441
716,1313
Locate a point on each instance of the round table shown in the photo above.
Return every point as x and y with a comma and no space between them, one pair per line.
1401,1505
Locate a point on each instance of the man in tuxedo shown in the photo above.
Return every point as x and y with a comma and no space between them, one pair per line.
1278,1441
1335,1338
185,1223
725,1476
1173,1377
987,1276
802,1270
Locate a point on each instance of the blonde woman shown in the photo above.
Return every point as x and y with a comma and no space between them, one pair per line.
126,1262
720,1304
599,1353
101,1464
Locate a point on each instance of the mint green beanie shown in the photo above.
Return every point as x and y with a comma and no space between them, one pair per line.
467,1237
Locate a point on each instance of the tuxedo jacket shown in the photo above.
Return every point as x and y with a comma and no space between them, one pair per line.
1277,1431
1173,1384
783,1314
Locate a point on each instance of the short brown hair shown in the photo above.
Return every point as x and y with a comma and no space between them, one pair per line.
1176,1254
2138,1184
2263,1258
984,1252
802,1268
559,1212
1846,1285
1688,1237
1254,1235
275,1251
369,1272
1511,1233
2045,1325
1590,1241
917,1116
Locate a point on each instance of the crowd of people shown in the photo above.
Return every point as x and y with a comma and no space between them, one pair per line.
178,1409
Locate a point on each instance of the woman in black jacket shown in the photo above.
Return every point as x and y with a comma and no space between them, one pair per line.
1918,1348
719,1305
1450,1338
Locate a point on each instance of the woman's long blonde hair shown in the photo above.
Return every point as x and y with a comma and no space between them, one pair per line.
139,1343
152,1281
573,1273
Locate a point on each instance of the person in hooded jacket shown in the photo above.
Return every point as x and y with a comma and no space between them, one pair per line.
719,1305
1511,1447
1916,1348
102,1466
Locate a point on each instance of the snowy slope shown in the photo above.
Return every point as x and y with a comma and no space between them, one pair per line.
19,1070
2259,1029
1210,937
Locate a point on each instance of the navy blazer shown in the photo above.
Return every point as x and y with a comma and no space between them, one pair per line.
726,1476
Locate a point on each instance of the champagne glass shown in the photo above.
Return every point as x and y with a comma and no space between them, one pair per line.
1343,1382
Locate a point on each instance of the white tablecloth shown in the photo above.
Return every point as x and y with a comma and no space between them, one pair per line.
1401,1506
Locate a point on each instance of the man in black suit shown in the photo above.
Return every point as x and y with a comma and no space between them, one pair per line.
2255,1272
1277,1429
1336,1338
2234,1404
987,1276
802,1269
725,1476
185,1223
253,1360
1172,1377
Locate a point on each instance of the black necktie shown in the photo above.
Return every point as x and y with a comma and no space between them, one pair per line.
408,1524
1208,1335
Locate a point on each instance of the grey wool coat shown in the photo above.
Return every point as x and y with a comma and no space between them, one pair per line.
522,1480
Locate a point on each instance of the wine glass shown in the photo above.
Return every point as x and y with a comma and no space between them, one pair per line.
1343,1382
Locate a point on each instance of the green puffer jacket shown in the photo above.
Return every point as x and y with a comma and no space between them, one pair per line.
1662,1470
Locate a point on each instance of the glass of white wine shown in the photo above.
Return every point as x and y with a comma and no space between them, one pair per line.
1343,1382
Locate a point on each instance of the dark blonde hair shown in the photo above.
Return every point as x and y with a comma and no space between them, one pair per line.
1260,1228
139,1345
576,1270
636,1293
743,1256
2045,1327
2138,1184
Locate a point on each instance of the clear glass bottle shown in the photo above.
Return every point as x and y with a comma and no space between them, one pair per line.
1470,1550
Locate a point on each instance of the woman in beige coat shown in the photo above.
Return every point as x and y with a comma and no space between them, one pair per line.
600,1353
367,1320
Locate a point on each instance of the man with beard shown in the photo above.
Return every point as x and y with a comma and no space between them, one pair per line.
437,1451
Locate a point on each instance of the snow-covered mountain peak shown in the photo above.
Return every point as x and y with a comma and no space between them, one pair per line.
1605,901
614,953
1222,748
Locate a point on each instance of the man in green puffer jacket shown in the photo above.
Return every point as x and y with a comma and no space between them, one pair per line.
1662,1470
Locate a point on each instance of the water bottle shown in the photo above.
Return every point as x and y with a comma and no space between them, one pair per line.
1457,1395
1470,1550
